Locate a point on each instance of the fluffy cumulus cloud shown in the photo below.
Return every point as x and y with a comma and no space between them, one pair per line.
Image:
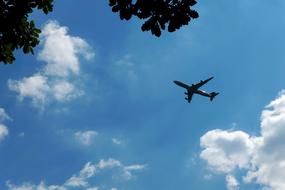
61,50
262,157
85,137
3,128
83,179
224,151
55,81
35,87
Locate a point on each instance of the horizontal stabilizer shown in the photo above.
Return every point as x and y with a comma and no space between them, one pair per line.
212,95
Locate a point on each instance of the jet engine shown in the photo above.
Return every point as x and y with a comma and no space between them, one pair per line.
185,93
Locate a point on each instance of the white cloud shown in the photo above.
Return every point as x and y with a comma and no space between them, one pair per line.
134,167
128,170
76,182
29,186
232,183
92,188
65,91
116,141
3,132
85,137
61,50
263,157
80,180
24,186
110,163
61,53
35,87
225,150
3,115
83,179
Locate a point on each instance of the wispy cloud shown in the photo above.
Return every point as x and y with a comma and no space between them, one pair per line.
232,183
55,81
85,137
126,67
126,170
3,132
3,128
29,186
263,157
83,179
80,180
109,163
3,115
116,141
92,188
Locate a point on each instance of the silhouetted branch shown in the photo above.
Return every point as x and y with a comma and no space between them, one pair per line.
157,13
16,31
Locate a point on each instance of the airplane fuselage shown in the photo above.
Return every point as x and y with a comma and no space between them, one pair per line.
202,92
194,89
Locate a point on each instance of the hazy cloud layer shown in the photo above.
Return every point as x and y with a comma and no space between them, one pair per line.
55,81
83,179
263,157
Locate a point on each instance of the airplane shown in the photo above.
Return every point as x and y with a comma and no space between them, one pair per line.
194,89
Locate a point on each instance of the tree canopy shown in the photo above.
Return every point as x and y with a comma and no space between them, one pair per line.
18,32
157,13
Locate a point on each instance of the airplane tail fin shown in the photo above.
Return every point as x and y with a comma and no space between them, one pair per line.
212,95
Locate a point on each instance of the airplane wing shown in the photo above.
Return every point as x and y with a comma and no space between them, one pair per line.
201,83
189,95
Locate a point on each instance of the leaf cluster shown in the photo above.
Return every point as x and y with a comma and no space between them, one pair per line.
158,14
16,30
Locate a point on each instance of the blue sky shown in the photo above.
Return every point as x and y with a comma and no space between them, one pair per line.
96,109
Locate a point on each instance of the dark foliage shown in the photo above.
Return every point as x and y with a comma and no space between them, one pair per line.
16,30
157,13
